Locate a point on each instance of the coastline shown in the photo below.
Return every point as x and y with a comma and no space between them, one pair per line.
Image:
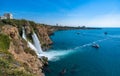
17,47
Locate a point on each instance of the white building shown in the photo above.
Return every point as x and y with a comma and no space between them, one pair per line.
7,16
3,17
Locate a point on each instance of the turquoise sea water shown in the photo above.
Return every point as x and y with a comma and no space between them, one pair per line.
73,52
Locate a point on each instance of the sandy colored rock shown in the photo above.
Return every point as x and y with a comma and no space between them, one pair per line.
17,49
43,36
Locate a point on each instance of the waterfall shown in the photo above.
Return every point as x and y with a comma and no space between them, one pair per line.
23,34
52,55
37,43
29,43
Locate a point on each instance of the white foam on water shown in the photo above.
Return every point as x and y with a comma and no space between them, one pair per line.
55,55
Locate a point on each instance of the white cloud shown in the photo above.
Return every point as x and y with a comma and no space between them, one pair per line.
108,20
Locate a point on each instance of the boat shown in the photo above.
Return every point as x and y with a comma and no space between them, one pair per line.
95,46
105,33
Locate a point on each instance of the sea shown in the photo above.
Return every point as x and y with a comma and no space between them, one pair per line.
72,53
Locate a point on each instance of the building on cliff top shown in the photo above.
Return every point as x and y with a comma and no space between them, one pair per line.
7,16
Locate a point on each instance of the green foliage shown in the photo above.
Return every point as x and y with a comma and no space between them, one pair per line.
9,68
19,73
4,63
8,65
4,42
18,23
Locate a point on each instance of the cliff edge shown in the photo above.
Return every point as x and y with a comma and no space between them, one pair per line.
16,58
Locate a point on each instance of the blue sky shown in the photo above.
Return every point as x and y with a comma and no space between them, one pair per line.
102,13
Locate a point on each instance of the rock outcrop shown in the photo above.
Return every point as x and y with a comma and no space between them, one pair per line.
43,37
21,52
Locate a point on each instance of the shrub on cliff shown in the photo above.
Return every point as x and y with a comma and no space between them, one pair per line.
30,51
4,43
10,67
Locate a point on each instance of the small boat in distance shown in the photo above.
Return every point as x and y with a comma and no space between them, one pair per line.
105,33
78,33
95,46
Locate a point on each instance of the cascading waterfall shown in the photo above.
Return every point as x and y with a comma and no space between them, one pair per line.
52,55
23,34
37,43
29,43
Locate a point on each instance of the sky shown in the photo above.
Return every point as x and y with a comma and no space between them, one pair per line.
90,13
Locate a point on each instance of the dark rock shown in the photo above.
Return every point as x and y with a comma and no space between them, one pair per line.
63,72
44,60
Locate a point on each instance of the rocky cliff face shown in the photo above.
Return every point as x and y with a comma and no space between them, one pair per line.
26,60
43,37
16,58
21,52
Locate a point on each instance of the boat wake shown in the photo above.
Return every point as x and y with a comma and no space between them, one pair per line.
89,44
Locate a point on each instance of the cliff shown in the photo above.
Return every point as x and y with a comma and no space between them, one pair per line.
16,58
25,61
30,26
43,37
43,31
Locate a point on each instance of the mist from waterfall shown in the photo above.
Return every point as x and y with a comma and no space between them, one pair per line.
37,43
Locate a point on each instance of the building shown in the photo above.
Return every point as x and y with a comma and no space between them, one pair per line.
7,16
3,17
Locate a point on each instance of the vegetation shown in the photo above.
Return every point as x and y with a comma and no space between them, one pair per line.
10,67
4,43
30,51
17,23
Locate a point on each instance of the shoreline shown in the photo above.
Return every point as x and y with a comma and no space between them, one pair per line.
13,29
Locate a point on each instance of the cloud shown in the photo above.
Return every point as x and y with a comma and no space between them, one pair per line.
108,20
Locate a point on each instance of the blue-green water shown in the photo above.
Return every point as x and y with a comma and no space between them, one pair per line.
73,52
